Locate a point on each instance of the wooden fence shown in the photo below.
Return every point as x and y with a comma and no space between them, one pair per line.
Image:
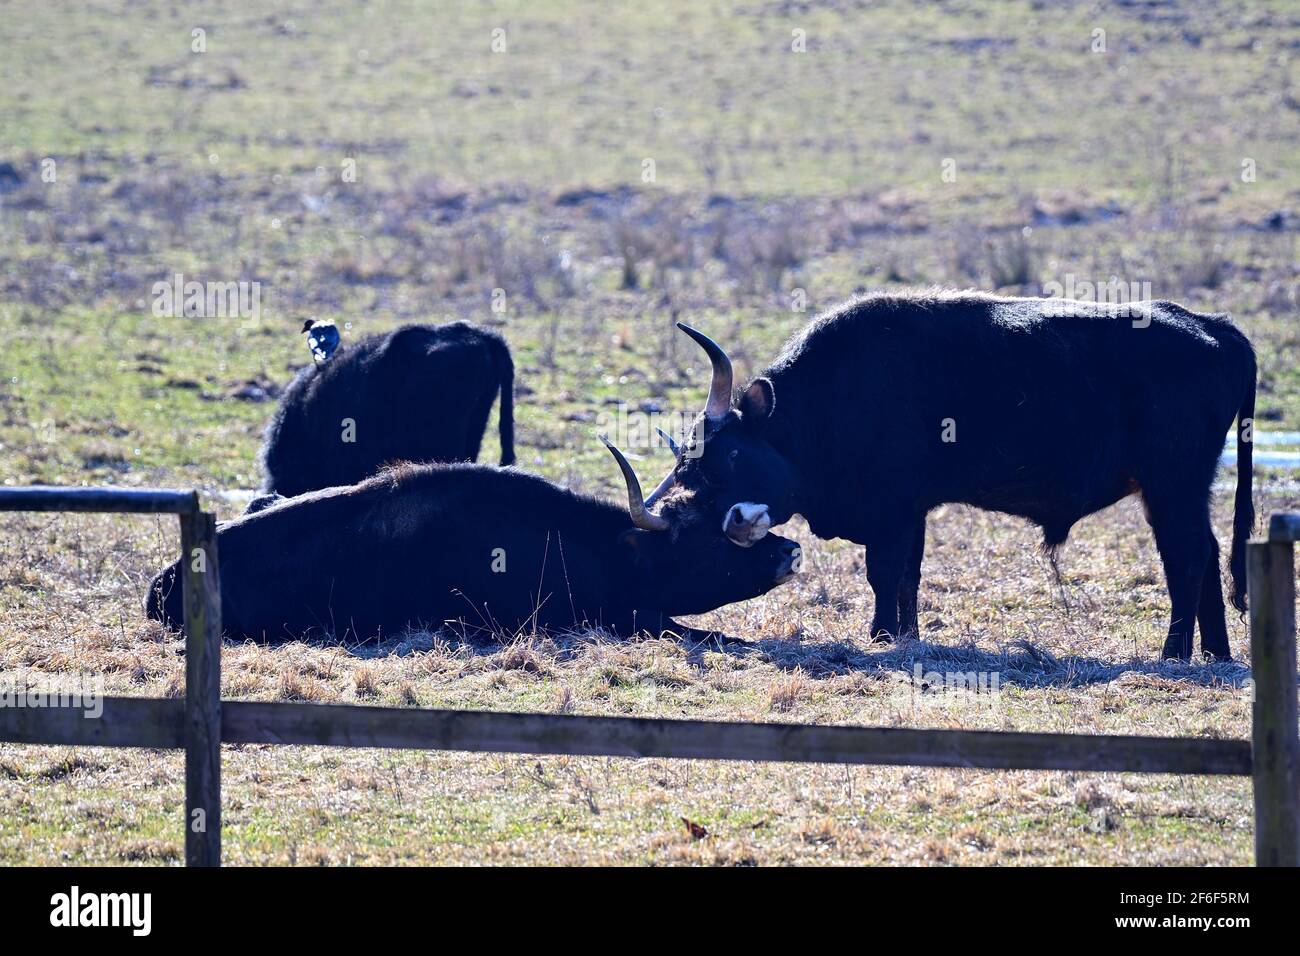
201,722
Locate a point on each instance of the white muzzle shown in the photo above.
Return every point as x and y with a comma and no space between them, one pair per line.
746,523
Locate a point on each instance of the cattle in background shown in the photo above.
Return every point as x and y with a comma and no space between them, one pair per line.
418,393
1048,409
491,549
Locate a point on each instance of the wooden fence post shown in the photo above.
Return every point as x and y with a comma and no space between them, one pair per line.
202,590
1276,747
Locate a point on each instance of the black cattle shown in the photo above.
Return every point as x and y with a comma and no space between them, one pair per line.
1048,409
418,393
494,549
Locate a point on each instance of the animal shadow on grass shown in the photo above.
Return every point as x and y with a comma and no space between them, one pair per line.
486,641
1020,663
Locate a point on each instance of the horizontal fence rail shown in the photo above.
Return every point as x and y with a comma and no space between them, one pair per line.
125,722
201,721
356,726
144,722
109,500
1283,527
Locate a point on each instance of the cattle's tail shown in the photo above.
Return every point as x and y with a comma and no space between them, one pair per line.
506,410
1243,521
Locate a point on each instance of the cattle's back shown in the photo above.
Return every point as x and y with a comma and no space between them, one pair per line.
421,545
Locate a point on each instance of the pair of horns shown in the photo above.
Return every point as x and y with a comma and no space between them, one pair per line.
717,405
642,517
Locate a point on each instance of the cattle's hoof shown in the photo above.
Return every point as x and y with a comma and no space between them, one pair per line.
1211,657
1175,651
883,637
715,640
262,502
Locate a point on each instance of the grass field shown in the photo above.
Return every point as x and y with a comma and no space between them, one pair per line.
780,179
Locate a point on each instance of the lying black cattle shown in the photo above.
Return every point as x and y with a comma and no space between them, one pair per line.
418,393
1048,409
494,549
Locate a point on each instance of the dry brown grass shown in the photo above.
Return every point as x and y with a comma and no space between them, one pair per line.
1075,656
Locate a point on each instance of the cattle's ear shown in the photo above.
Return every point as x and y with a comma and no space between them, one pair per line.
638,546
758,401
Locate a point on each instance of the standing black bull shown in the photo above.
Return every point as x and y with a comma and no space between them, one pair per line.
418,393
494,548
891,405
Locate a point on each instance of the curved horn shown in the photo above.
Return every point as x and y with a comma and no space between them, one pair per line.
668,440
720,388
669,479
636,508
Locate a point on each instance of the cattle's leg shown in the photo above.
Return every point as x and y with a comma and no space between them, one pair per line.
888,551
476,423
908,591
473,442
1183,537
1210,615
660,625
